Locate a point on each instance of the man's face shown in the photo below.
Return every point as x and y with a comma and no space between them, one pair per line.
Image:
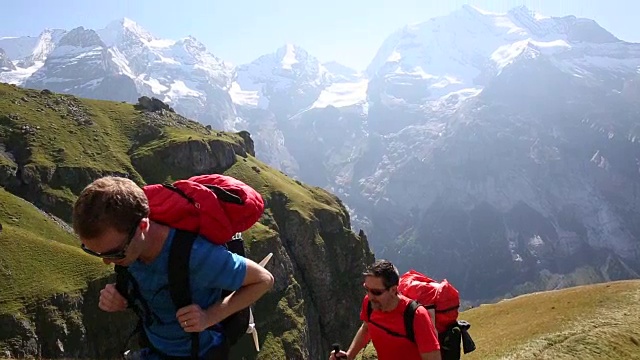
115,247
381,298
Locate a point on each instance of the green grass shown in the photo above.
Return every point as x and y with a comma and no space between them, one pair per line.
59,139
38,258
268,182
584,322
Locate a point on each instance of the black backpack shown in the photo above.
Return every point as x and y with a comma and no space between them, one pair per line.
449,340
233,326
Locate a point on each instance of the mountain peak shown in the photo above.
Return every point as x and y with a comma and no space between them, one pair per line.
122,28
81,37
128,23
290,54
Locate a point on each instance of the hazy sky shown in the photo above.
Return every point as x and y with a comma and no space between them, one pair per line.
347,31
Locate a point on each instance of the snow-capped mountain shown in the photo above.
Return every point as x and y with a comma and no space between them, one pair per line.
289,75
291,80
148,58
180,72
456,55
28,53
506,142
80,63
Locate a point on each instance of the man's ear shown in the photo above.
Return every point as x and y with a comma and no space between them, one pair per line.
144,224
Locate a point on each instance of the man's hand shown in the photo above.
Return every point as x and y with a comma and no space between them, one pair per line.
193,319
341,355
111,300
257,282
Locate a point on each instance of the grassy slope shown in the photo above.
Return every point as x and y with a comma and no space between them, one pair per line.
37,257
585,322
104,147
59,140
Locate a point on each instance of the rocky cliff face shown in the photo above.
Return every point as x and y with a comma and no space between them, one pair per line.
66,326
317,258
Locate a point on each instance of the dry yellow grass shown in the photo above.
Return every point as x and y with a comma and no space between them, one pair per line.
586,322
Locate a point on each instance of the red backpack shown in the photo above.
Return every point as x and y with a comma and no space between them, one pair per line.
441,296
214,206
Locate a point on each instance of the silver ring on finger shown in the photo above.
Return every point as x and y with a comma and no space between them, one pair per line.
185,323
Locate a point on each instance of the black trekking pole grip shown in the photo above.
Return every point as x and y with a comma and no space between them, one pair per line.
336,351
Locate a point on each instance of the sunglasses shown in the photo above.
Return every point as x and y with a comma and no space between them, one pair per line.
375,292
115,254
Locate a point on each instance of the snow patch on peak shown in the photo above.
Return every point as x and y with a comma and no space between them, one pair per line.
130,24
20,75
289,57
120,30
341,73
506,54
46,44
343,94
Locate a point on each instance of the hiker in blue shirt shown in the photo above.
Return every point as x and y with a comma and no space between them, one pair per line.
111,218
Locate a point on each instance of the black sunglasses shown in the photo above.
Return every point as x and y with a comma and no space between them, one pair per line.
115,254
375,292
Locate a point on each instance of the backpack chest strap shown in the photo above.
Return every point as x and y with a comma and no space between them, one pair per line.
408,316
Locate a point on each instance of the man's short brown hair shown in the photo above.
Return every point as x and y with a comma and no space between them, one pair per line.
109,202
385,270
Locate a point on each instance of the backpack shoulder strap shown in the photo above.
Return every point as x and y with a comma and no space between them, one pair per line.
128,287
369,310
409,315
122,282
179,286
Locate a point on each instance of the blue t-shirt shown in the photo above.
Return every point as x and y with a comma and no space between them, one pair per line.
211,268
